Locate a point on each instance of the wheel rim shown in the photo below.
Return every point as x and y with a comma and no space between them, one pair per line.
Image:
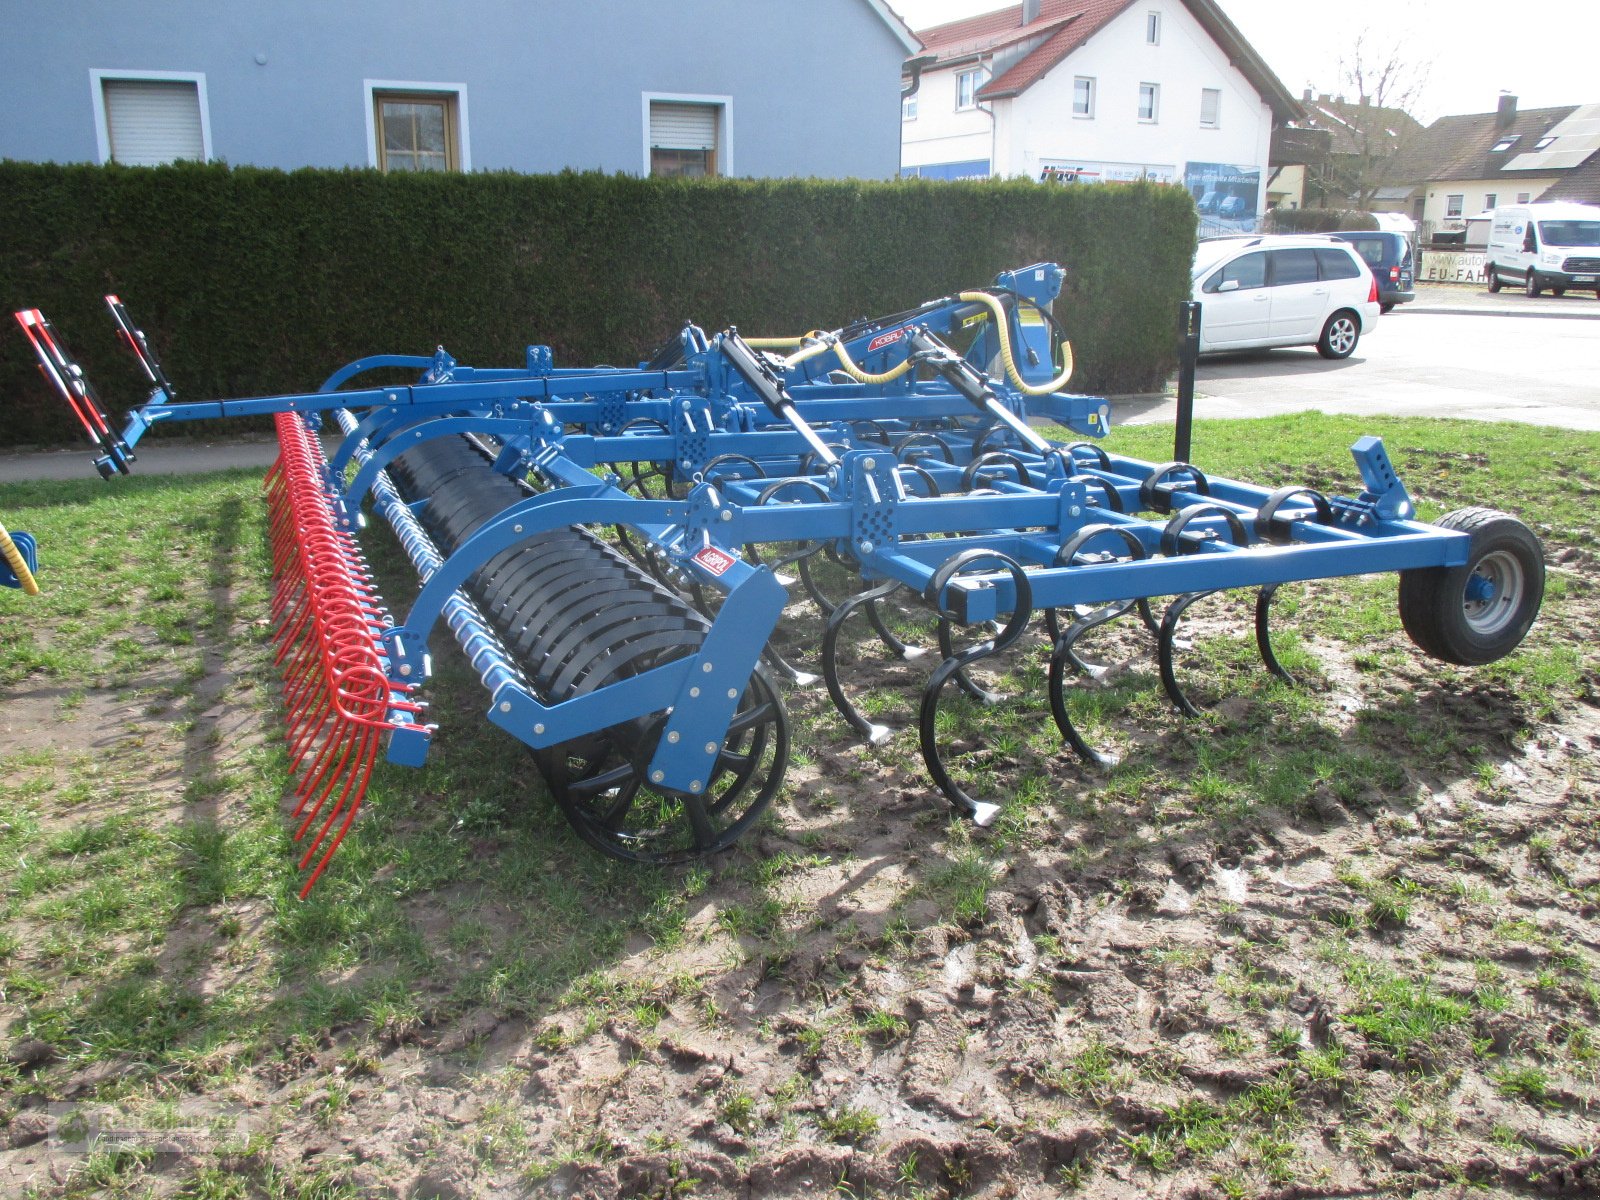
1342,336
1494,593
599,782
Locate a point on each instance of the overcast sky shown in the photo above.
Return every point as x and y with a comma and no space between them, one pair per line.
1542,51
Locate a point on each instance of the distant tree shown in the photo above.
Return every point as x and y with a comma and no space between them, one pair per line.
1386,80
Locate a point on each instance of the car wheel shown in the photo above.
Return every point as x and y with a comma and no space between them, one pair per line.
1558,291
1491,278
1339,335
1533,287
1386,308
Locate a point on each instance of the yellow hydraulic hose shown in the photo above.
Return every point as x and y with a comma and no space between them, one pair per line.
13,556
1027,389
861,376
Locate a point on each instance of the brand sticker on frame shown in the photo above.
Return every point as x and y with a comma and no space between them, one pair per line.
713,561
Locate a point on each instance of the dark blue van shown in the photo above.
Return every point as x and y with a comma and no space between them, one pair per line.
1393,264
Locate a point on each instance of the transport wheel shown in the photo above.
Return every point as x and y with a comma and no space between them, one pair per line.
600,782
1558,292
1339,335
1480,611
1533,287
1491,279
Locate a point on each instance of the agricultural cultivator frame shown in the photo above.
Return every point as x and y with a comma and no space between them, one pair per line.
612,548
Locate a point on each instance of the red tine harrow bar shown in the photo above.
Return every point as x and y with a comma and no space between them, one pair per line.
338,699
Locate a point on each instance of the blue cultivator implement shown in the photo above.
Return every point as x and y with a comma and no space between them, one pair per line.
613,548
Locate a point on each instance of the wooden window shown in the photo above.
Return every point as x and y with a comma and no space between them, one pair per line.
416,131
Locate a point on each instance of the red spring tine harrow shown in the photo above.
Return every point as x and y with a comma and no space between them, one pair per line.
338,699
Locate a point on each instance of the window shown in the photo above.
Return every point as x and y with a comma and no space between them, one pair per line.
1336,264
1490,199
1543,143
1149,99
1210,107
1152,29
908,109
1083,96
150,118
1504,144
417,126
1294,266
685,138
1248,271
1453,203
1524,197
967,84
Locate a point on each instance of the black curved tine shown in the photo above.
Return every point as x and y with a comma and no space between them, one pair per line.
980,812
1169,625
1149,617
976,691
785,668
1264,633
1082,625
888,637
876,734
1058,707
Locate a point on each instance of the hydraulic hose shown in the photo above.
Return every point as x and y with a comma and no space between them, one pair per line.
1001,324
19,566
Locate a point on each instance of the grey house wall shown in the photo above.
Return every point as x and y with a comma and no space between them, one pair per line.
550,84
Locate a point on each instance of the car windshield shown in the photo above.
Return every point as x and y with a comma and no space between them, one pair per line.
1569,233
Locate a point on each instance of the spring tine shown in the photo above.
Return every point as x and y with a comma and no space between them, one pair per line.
327,618
1164,650
979,811
876,734
1264,633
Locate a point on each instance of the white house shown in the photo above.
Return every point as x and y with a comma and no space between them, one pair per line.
1093,91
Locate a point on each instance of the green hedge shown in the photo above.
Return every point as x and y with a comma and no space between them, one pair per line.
253,282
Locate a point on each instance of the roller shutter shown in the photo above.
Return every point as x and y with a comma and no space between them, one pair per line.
153,121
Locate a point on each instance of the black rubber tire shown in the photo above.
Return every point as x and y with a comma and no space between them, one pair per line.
1340,335
1505,560
1531,286
1491,279
1558,292
1386,308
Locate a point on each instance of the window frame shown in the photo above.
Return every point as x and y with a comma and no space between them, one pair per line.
908,109
102,124
450,92
1491,199
961,76
1455,204
1216,112
1152,27
1504,144
1545,142
723,154
1524,197
1088,113
1155,104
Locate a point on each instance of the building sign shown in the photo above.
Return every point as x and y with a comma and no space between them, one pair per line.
977,168
1451,266
1223,192
1064,170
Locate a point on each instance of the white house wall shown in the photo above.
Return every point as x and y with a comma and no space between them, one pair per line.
1037,128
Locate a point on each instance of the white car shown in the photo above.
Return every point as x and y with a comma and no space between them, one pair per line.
1283,290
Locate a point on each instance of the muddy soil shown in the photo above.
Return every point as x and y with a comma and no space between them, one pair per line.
1144,982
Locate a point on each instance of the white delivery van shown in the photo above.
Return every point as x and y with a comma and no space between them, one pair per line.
1539,246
